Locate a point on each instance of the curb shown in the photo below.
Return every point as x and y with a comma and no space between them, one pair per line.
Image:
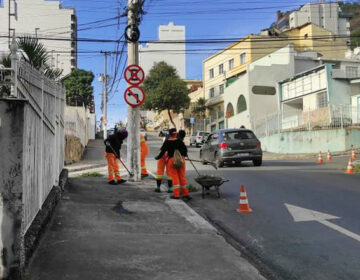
86,167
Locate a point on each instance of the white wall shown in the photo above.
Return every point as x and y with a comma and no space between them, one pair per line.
173,54
267,71
51,20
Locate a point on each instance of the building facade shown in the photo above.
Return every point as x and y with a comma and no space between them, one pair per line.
164,50
325,15
44,20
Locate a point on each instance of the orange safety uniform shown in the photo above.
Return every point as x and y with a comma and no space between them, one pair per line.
144,150
161,165
177,175
113,167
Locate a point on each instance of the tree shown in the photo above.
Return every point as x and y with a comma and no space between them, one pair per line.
78,87
37,56
199,107
165,90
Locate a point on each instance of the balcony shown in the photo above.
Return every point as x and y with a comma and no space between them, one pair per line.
351,73
215,100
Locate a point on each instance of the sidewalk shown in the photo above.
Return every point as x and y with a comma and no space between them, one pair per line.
101,232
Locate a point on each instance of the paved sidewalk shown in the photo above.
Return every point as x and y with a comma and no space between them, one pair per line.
128,231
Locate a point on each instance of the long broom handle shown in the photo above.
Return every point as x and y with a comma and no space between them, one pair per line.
194,166
130,173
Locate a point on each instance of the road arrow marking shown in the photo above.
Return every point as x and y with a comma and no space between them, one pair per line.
300,214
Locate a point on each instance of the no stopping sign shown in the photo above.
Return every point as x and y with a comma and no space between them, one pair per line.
134,96
134,74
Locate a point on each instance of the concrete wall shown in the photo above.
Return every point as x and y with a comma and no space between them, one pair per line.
49,20
11,181
335,140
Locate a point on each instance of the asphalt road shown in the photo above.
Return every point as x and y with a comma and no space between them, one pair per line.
315,247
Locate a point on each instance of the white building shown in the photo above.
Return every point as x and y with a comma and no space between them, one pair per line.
43,19
255,94
325,15
165,49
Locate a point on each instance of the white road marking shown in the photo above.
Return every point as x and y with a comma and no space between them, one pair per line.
300,214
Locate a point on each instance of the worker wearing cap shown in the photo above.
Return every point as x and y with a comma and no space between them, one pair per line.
161,166
144,151
177,174
112,152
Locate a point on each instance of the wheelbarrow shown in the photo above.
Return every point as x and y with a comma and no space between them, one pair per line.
206,181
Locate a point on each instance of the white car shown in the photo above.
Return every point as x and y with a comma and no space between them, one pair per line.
198,138
143,133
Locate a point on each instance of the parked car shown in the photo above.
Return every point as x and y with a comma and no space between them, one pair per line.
143,133
198,138
231,146
163,132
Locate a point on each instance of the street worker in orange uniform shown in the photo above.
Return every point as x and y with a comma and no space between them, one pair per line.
112,152
144,150
177,152
161,165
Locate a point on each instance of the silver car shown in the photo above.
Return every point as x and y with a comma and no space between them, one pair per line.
198,138
231,146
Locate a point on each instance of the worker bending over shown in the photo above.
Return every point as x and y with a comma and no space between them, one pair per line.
112,152
177,152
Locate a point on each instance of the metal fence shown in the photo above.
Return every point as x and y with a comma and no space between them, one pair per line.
330,117
43,147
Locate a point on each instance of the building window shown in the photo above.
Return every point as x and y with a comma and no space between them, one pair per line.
221,89
229,110
241,104
322,100
211,73
212,92
221,69
242,58
351,72
231,64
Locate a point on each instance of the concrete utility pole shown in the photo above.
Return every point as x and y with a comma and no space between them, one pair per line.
105,95
133,125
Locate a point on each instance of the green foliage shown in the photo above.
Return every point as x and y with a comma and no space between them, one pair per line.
6,62
353,8
78,87
199,108
91,174
38,57
165,90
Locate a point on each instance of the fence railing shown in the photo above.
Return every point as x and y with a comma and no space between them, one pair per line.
43,147
330,117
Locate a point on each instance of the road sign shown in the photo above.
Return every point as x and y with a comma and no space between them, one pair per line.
134,96
192,120
134,75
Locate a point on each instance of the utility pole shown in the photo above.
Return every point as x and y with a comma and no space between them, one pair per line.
133,125
105,95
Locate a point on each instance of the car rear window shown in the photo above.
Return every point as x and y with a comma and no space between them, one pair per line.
204,133
238,135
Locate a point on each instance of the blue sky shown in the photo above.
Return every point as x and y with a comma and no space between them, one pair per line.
204,19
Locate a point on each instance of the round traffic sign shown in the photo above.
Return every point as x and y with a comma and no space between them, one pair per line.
134,96
134,75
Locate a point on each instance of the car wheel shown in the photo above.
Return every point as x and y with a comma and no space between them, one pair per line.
218,162
190,144
257,162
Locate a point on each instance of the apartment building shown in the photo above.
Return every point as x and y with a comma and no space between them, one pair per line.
46,20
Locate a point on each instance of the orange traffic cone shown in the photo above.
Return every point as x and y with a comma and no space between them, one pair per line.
320,160
243,203
350,167
328,157
353,155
